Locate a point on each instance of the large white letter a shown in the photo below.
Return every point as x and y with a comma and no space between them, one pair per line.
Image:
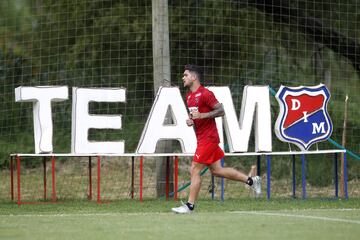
155,130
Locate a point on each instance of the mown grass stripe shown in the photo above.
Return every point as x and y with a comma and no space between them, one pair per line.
261,213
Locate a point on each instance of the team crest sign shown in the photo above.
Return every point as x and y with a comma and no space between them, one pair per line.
303,118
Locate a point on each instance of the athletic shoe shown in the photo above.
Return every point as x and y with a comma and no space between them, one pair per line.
256,187
183,209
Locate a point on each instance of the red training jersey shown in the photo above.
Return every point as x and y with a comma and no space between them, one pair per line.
203,100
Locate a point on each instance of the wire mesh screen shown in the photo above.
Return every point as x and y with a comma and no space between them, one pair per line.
108,43
276,43
78,44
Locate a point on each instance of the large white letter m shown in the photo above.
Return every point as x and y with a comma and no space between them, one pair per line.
318,128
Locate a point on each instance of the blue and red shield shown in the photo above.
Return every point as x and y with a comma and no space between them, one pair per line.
303,118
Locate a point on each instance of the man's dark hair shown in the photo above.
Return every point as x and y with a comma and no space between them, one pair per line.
195,69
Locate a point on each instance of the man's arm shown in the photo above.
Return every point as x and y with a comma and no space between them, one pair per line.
189,122
218,111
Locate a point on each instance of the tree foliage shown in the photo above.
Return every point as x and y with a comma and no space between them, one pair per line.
108,43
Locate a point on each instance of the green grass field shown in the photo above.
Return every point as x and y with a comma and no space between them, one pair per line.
152,219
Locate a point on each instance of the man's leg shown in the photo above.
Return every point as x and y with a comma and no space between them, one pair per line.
195,181
226,172
232,174
194,189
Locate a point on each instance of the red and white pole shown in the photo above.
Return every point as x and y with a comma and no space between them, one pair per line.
12,178
141,178
53,195
18,179
176,170
98,179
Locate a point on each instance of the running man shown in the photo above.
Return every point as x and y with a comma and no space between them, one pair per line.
204,108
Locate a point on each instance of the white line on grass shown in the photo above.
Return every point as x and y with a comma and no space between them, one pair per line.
297,216
259,213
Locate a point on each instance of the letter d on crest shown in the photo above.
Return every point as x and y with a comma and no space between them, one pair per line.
295,104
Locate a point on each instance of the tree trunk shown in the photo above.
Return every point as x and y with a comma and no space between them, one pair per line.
321,67
161,61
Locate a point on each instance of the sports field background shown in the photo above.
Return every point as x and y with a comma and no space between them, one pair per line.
72,179
152,219
109,43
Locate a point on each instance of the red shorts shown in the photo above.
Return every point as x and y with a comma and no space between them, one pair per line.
208,153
